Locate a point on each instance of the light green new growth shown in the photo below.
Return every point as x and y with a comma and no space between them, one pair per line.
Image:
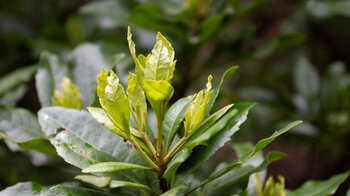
271,187
70,97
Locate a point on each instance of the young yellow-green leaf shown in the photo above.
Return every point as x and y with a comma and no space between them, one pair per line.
133,52
137,98
160,65
100,115
70,97
94,180
195,113
114,100
107,167
158,93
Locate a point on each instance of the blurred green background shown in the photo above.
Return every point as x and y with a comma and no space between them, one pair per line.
293,56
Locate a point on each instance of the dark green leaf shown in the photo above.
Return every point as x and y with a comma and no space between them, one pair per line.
173,119
229,181
320,188
203,153
259,146
215,92
175,163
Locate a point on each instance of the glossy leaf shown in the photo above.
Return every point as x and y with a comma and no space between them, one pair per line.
158,93
114,100
70,97
215,92
175,163
112,167
160,61
173,119
140,61
116,184
204,138
137,98
259,146
195,113
320,188
229,181
203,153
174,191
94,180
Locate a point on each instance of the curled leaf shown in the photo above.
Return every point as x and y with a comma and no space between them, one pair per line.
114,100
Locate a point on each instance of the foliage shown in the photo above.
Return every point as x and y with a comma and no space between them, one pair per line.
116,146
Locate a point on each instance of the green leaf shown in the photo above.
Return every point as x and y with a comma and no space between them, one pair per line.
204,138
87,61
100,115
22,128
173,119
94,180
215,92
13,85
230,181
36,189
306,79
259,146
116,184
320,188
158,65
137,99
175,163
112,167
70,97
24,188
114,100
174,191
140,61
195,113
203,153
158,93
56,119
49,76
13,95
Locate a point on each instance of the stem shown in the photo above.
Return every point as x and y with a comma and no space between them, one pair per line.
174,149
148,141
143,154
160,139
